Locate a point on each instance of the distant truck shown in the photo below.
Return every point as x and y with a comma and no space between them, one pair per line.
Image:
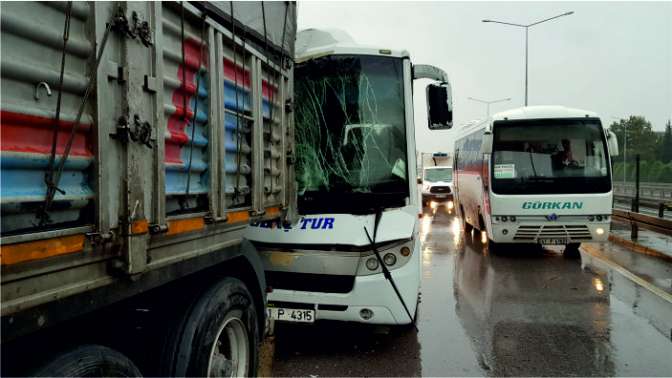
139,139
437,179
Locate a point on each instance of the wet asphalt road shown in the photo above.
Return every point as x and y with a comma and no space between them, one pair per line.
522,312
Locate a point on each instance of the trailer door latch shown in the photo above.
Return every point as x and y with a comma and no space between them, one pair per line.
140,132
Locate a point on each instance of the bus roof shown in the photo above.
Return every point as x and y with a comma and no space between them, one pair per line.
314,43
543,112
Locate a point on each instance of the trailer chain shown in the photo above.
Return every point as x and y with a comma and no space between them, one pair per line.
54,172
49,181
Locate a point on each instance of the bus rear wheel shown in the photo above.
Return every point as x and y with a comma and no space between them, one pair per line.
572,251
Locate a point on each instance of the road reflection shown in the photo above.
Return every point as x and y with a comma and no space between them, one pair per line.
531,312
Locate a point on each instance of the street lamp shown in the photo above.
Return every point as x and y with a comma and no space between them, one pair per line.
487,103
527,27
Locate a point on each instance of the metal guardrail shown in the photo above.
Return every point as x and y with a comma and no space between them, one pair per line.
660,225
655,191
660,206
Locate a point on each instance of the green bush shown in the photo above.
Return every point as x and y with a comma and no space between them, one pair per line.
650,171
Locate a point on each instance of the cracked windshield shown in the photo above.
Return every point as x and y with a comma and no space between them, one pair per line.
350,129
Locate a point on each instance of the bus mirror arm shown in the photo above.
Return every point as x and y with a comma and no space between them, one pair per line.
486,143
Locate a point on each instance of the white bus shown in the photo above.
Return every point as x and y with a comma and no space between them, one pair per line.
538,174
353,253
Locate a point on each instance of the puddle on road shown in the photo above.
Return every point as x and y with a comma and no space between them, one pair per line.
528,311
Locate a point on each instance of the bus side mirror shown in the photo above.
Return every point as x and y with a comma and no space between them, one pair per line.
486,143
439,106
613,144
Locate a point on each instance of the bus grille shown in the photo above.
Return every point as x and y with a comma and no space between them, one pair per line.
439,189
572,232
323,283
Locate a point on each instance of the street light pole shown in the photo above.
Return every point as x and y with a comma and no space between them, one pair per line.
487,103
527,29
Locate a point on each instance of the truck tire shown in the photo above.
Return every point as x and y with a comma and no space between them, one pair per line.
218,336
571,251
89,361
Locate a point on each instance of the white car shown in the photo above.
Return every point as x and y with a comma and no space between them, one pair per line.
437,186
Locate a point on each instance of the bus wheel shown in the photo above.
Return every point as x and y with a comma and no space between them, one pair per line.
572,251
467,227
494,247
218,336
89,361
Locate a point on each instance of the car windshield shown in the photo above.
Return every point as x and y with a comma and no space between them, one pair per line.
438,174
350,133
550,156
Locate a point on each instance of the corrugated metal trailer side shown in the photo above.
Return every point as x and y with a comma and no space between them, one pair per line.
174,141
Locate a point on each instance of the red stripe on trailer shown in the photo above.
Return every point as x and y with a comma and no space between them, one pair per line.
34,134
241,76
268,90
179,120
238,75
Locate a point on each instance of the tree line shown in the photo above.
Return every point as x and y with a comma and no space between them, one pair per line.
654,149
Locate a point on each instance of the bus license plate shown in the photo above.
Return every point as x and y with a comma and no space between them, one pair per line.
553,241
291,314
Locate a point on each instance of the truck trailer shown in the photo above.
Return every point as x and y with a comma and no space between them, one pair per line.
139,139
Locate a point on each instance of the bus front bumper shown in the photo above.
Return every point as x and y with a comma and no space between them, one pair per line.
550,233
370,292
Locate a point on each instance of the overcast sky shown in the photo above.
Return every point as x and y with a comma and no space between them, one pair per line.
614,58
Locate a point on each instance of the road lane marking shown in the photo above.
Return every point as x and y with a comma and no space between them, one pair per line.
595,253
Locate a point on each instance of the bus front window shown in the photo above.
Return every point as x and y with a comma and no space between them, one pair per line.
350,134
549,156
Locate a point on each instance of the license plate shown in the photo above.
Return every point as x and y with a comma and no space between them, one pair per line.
291,314
553,241
440,196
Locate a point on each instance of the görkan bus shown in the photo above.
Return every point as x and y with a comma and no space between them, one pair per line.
537,174
353,253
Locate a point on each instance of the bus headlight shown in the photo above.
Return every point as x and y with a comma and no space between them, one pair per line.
372,263
450,205
599,231
405,251
390,259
